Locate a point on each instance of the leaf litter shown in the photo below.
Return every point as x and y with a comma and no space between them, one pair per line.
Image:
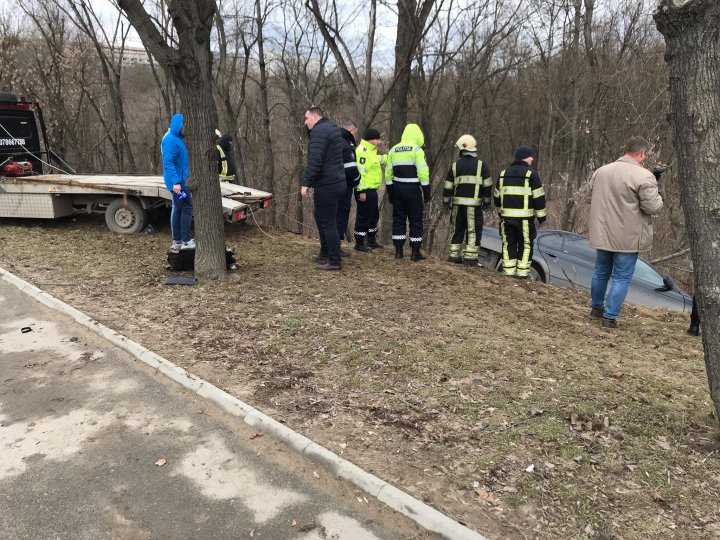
443,381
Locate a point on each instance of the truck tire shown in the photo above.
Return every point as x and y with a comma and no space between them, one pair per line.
121,220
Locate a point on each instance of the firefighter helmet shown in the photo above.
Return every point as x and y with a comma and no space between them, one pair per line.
466,142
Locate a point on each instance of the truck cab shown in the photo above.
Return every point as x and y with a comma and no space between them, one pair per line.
22,136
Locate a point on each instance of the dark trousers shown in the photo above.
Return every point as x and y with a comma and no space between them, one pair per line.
407,206
468,230
694,315
517,236
343,212
326,200
367,216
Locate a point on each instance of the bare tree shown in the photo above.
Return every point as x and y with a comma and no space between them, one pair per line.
690,31
188,61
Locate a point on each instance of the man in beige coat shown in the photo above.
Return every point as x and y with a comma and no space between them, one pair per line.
624,196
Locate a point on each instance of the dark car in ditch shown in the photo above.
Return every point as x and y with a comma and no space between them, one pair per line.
566,259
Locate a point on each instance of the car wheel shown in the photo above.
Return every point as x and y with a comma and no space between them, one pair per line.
535,274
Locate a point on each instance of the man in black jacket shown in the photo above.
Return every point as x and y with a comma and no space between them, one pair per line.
325,173
352,178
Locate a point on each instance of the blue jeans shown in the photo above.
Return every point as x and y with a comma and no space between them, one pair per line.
181,218
621,266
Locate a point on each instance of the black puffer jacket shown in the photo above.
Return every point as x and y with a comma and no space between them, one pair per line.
325,156
352,175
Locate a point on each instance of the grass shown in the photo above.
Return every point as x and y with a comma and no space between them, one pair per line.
448,380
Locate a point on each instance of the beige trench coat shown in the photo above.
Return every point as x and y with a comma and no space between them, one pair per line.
624,196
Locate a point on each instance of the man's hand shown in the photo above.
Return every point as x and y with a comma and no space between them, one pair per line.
177,188
657,171
304,191
362,196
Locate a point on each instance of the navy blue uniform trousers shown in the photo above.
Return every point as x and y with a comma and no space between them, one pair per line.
407,206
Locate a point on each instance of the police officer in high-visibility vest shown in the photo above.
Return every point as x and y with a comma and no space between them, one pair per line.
467,191
407,179
225,159
369,163
519,199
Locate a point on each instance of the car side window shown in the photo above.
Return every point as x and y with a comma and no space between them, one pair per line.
647,273
550,242
578,246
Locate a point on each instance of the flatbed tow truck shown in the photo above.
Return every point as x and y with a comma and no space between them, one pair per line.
126,200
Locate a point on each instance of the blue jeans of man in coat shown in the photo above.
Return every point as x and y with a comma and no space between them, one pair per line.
181,217
619,266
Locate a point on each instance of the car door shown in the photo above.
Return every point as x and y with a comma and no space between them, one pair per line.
647,288
569,258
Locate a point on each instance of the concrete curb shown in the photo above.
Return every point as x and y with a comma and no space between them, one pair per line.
424,515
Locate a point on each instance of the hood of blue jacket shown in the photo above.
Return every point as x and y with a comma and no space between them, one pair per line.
176,124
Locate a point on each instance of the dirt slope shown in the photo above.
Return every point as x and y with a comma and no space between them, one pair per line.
497,402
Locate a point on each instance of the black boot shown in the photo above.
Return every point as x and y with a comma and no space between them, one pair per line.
360,244
373,243
399,252
694,329
416,255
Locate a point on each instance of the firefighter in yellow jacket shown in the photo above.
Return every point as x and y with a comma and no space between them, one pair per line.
407,179
369,164
467,191
225,158
519,199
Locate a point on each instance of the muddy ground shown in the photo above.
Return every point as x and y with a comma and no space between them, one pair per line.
498,402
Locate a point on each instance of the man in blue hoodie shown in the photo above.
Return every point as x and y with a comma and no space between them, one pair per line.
176,169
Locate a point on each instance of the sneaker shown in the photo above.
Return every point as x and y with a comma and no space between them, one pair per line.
175,247
609,323
596,313
190,244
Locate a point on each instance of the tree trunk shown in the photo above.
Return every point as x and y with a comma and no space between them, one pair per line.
692,53
264,106
190,67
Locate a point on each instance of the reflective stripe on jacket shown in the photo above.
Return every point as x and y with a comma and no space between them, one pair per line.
468,182
405,162
519,192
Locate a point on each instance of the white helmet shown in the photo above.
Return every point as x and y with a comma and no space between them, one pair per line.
467,142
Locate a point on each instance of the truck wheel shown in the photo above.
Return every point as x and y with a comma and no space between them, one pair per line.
121,220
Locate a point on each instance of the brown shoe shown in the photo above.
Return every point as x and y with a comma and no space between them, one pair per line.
319,257
327,266
609,323
596,313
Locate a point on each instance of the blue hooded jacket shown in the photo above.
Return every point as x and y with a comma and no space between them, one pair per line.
176,167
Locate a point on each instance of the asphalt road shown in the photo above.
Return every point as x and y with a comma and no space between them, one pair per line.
93,444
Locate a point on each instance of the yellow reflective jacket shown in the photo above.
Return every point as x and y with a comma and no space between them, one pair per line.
369,164
406,161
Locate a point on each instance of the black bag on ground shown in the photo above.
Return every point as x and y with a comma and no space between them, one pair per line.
184,260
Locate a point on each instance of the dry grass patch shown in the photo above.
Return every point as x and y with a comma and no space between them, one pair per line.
498,402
